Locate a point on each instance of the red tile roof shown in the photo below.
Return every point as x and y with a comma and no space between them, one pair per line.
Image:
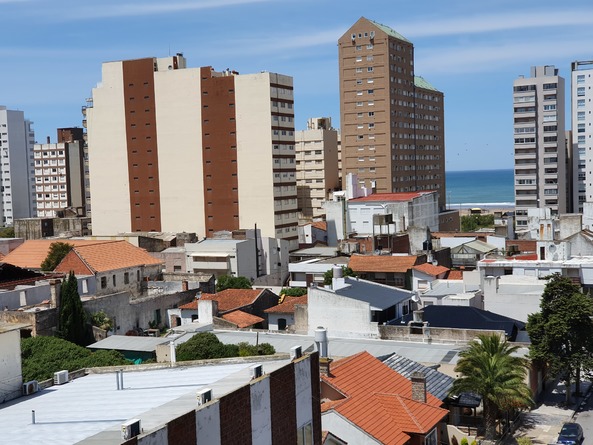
191,305
390,197
431,269
455,275
379,400
31,253
288,305
242,319
382,263
230,299
108,255
321,225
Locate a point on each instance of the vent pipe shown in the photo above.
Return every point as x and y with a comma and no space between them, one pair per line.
321,341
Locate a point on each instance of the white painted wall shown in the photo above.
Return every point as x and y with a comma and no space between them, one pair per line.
327,309
261,412
513,296
340,427
303,392
208,424
179,138
108,162
11,377
273,320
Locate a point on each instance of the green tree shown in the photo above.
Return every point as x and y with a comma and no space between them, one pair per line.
42,356
57,252
227,282
471,223
329,275
562,332
206,345
102,321
72,315
488,367
7,232
294,291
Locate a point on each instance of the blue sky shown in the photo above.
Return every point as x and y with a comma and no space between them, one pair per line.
52,51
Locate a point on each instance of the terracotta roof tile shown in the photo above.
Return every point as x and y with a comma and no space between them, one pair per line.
321,225
111,255
31,253
390,197
431,269
191,305
242,319
288,305
230,299
455,275
379,400
382,263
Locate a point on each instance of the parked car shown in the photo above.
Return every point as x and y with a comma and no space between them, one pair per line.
570,434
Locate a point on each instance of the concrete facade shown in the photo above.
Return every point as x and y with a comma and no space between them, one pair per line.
316,151
513,296
392,121
580,140
18,183
540,147
239,168
11,376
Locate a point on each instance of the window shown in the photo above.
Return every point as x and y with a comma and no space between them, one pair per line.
113,278
580,103
305,435
103,282
370,69
581,78
126,278
580,91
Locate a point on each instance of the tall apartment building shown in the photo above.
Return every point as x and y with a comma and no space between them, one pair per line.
178,149
60,175
392,121
582,132
316,151
16,176
540,146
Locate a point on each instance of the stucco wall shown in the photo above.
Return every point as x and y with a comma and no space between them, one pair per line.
11,377
388,332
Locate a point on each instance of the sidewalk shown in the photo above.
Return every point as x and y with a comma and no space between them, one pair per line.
543,423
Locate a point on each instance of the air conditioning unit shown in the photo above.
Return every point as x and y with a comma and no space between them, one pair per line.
256,371
130,429
30,387
296,352
204,396
61,377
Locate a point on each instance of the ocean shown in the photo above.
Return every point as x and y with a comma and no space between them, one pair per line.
480,188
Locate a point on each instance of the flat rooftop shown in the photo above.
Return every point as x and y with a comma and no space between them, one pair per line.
90,410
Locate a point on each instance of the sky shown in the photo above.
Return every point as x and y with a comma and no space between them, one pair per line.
51,53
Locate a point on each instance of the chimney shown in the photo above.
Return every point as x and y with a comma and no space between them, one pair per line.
54,293
184,286
418,386
324,366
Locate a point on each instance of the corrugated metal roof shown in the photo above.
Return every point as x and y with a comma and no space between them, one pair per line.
437,383
130,343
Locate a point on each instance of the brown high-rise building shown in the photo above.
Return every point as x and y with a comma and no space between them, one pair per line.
393,135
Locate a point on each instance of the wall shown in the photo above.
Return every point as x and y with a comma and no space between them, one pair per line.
437,335
265,411
43,322
274,317
134,284
11,377
340,427
513,296
327,309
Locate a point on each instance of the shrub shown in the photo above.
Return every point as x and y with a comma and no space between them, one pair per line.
524,440
205,345
464,441
294,291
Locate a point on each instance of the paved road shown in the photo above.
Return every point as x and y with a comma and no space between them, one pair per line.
584,416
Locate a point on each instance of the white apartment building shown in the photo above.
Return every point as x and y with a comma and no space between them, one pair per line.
539,142
59,177
582,142
178,149
317,165
17,175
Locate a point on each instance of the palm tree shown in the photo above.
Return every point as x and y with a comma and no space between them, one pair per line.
490,368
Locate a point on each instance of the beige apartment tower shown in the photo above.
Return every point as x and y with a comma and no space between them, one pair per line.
316,166
392,121
539,142
178,149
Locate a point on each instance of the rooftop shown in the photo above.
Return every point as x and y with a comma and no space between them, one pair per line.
390,197
389,31
242,319
230,299
108,255
90,410
382,263
31,253
288,305
369,386
379,296
431,269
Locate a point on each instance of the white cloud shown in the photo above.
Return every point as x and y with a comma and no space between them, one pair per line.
479,24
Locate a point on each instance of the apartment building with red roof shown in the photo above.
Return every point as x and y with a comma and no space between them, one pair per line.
366,401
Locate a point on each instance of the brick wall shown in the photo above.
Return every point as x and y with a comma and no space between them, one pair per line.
235,417
182,430
282,389
316,398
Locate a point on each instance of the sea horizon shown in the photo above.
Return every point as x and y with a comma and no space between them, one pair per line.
480,188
